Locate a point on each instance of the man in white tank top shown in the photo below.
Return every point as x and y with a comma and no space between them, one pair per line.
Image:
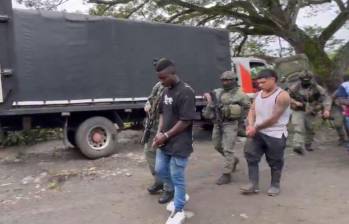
267,131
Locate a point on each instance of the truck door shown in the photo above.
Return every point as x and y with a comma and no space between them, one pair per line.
245,68
6,48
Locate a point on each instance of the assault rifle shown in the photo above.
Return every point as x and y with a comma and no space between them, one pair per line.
217,109
150,120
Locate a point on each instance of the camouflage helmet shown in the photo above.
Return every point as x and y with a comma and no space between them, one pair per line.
228,75
306,75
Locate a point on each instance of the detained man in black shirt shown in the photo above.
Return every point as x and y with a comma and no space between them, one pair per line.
174,136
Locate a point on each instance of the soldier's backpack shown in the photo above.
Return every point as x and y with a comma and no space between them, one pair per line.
289,68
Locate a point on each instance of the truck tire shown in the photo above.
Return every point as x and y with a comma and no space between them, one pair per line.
96,137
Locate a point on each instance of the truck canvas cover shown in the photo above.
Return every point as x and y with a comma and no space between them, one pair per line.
60,56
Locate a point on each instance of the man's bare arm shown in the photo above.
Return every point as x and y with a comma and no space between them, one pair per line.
156,140
161,123
282,103
251,116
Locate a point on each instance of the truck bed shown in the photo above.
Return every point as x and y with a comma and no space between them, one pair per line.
63,60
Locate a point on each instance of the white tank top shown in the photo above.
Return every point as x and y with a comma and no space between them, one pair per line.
264,107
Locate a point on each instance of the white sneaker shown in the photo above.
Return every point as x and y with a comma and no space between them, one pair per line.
176,218
170,206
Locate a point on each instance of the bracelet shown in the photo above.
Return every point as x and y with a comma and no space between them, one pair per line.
166,135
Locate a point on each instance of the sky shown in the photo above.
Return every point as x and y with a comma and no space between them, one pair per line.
320,16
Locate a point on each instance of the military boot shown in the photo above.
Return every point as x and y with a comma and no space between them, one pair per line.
155,188
308,147
274,188
299,150
224,179
236,162
166,197
253,186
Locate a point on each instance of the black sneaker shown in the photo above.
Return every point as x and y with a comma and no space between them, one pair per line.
155,188
166,197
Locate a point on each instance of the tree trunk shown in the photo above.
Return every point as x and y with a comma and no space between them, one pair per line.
341,62
322,64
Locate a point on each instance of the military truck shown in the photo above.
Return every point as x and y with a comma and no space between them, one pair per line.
90,74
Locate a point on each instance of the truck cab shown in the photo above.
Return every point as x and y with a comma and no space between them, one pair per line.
244,67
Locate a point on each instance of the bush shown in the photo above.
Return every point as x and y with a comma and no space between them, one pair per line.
32,136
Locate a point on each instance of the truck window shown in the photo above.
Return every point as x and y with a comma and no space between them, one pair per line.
256,67
256,64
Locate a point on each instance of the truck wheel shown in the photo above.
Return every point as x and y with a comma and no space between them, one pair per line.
96,137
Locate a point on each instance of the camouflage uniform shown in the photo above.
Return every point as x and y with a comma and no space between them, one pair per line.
315,100
149,151
224,134
337,121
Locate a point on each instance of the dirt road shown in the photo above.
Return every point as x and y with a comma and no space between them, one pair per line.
46,184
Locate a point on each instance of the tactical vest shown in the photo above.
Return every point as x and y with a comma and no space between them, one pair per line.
310,97
229,103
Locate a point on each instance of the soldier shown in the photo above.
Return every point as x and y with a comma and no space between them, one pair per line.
226,106
307,100
151,125
337,120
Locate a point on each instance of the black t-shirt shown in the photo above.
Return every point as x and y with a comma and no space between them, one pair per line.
178,103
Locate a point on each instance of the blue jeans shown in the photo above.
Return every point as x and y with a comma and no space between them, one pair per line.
171,170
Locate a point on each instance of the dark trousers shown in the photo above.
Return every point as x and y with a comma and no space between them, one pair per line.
273,148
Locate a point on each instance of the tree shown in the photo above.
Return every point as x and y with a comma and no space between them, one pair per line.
42,4
250,17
